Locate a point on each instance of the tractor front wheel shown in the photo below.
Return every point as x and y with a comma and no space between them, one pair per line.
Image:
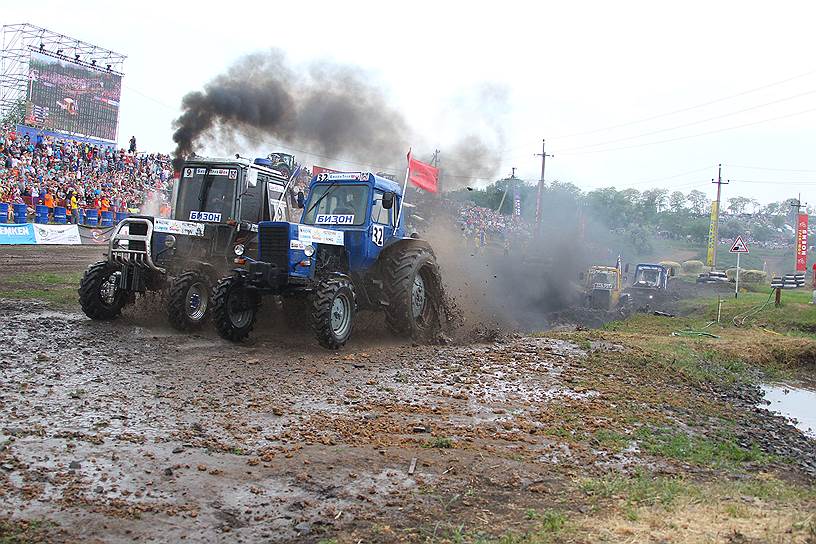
332,312
234,308
188,301
413,289
99,293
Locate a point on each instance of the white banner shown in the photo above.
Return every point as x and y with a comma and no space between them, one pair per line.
64,235
314,235
178,227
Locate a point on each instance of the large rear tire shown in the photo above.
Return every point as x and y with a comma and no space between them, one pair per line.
332,312
234,308
188,301
413,290
99,293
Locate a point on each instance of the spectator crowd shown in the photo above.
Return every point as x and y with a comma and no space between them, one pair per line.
73,174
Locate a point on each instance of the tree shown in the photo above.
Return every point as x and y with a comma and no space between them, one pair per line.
652,201
677,201
737,204
698,201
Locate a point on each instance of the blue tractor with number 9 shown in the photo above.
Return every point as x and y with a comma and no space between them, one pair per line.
349,252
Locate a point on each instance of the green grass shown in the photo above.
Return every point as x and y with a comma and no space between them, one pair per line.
24,531
45,278
611,440
721,452
62,297
640,490
442,442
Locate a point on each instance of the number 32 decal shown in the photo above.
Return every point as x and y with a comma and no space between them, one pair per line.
378,234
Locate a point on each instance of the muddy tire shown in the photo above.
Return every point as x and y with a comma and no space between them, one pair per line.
234,308
188,301
332,312
99,293
413,289
295,313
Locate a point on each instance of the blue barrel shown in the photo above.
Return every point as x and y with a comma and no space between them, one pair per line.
121,216
41,214
60,215
19,212
107,219
4,209
91,217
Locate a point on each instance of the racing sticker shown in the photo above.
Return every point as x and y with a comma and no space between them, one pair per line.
233,174
378,234
201,171
209,217
188,172
296,244
331,219
172,226
314,235
219,171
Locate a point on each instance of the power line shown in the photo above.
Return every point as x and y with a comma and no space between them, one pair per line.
737,112
770,169
682,110
776,182
692,135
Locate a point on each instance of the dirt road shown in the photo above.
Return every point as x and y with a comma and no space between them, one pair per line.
128,431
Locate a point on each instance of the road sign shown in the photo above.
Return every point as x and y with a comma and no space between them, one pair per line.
739,246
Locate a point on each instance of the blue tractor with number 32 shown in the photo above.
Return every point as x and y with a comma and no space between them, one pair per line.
349,252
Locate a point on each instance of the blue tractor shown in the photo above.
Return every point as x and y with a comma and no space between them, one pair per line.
349,252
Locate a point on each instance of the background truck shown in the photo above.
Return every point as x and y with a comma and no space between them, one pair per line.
349,252
216,207
602,287
650,286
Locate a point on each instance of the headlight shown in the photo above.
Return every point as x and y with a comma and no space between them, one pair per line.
169,241
239,249
309,250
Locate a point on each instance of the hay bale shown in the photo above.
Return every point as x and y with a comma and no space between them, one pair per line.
672,265
693,267
746,275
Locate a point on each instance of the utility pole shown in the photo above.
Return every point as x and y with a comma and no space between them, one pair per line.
540,193
716,218
798,204
510,182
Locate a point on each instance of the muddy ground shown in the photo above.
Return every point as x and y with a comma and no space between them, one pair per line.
128,431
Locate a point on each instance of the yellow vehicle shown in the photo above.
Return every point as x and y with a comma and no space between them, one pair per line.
602,287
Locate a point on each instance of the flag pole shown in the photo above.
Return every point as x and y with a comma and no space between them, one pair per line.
404,188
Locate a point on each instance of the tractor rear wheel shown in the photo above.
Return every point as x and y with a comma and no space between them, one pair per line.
99,293
332,312
188,301
413,289
234,308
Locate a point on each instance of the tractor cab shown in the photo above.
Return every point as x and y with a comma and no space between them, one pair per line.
602,287
651,276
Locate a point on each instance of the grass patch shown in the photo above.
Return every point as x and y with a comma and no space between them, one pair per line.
46,278
442,442
698,450
24,531
62,297
611,440
640,490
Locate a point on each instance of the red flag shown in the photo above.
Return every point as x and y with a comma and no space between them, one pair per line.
424,176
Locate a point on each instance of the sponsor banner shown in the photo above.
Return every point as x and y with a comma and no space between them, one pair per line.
172,226
712,235
314,235
93,236
801,242
320,170
12,234
332,219
67,235
516,202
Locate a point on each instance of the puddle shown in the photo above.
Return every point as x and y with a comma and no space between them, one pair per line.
793,402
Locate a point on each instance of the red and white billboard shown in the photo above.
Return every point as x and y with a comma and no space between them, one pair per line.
801,242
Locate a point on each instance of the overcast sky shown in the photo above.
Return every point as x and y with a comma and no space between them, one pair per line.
571,71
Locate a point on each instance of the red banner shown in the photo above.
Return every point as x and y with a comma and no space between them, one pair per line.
424,176
801,242
320,170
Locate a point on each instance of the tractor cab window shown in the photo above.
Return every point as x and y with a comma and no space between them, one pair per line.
378,213
206,193
252,204
337,205
648,277
605,278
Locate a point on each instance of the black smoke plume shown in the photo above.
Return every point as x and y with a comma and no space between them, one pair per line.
329,109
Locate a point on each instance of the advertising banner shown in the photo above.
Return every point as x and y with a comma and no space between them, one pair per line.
13,234
712,235
66,235
801,242
320,170
68,97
